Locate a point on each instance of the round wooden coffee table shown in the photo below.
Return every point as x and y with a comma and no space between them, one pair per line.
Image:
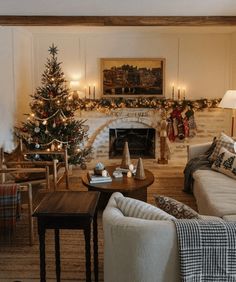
129,187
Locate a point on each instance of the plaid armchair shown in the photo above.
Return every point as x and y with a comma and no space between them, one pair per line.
9,208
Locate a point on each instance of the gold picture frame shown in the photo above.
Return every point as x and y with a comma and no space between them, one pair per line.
132,77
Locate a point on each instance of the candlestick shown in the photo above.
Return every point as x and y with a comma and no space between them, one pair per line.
184,93
173,92
94,92
89,92
178,93
85,93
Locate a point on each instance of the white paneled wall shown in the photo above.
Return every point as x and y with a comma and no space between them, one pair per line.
7,90
15,79
205,64
200,62
23,69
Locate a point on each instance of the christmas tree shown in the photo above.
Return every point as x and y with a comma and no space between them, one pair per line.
51,124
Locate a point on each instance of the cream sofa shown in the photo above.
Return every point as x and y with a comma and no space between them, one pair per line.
215,193
137,250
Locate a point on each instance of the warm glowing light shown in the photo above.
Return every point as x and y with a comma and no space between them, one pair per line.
74,85
45,122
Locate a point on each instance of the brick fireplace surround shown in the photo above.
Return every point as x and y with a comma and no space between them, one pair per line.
210,122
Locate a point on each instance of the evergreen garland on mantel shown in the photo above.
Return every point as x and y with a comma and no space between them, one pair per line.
108,104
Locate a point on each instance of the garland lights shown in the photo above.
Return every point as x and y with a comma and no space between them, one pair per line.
108,104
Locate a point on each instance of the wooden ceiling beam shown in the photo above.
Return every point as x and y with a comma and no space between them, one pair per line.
117,20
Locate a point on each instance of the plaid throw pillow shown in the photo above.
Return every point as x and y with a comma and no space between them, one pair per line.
225,142
9,206
135,208
225,163
175,208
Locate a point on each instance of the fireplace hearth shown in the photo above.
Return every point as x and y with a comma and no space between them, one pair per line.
141,142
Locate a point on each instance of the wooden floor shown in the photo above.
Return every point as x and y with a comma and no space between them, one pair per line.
20,262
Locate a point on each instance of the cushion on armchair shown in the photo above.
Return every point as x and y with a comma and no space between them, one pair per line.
175,208
9,206
180,210
135,208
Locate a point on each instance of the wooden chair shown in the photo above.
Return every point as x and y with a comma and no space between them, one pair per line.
26,185
21,158
55,165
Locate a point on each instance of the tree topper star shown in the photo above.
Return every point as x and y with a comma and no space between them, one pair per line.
53,49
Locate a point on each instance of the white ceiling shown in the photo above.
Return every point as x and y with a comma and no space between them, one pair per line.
119,7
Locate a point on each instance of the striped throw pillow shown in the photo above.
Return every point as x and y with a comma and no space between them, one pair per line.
225,142
135,208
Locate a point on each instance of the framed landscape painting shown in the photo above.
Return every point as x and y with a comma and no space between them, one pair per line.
132,77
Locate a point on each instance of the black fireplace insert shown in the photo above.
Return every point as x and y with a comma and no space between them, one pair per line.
141,142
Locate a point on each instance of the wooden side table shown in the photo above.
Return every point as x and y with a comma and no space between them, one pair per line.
68,210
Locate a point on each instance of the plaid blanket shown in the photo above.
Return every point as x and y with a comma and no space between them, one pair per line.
9,207
207,250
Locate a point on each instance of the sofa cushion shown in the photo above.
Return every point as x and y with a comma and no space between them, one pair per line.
215,193
230,217
135,208
222,141
175,208
225,163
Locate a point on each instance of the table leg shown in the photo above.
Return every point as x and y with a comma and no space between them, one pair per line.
57,254
95,246
87,235
41,232
30,212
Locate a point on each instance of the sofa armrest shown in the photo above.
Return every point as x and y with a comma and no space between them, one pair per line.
197,149
137,249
